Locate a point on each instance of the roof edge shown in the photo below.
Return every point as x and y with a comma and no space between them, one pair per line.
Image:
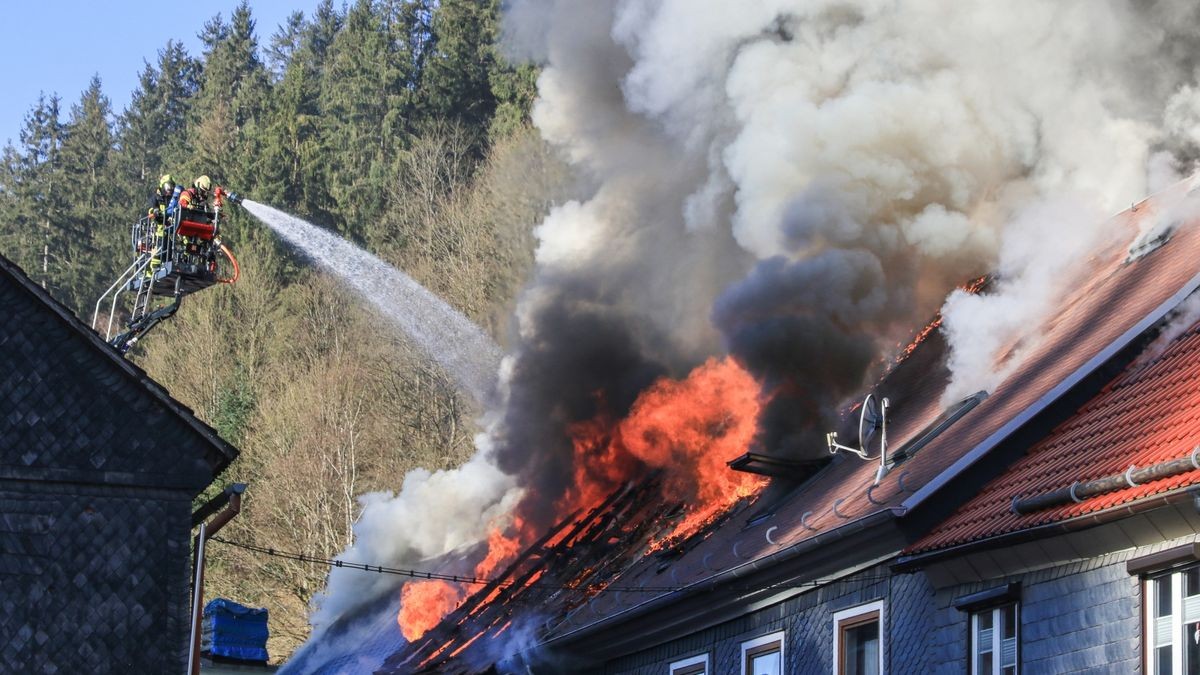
1065,385
226,452
873,520
917,561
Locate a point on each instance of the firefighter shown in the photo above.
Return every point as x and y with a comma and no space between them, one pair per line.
157,213
197,196
160,198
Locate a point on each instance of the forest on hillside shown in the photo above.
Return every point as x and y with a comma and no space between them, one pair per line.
398,124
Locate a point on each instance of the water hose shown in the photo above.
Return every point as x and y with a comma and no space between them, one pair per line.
237,272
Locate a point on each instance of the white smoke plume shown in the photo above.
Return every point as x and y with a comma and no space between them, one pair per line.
940,137
434,513
801,181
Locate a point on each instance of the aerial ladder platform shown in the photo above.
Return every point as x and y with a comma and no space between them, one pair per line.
172,259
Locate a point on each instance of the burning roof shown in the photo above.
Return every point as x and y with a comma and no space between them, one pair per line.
634,547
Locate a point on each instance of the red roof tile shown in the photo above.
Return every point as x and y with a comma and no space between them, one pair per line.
1150,413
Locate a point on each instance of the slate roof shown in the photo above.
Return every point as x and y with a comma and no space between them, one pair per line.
72,409
1148,414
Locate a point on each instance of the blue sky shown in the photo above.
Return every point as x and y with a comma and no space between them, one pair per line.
57,45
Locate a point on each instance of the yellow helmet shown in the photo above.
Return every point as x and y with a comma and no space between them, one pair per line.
204,183
166,181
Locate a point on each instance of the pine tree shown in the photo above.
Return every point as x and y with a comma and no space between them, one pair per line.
97,217
286,41
359,85
231,101
292,163
455,83
43,196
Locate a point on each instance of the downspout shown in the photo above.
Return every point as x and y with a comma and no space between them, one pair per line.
231,499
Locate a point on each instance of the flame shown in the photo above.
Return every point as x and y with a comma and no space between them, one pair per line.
689,429
501,548
692,428
424,603
919,338
974,287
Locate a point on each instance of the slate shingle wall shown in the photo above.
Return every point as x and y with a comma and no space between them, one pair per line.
1083,617
68,412
808,624
97,471
94,580
1078,618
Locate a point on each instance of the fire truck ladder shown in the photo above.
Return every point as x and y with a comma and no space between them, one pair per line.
153,249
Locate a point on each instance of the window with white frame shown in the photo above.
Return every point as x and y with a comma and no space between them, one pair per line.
696,665
1173,621
858,640
994,640
764,655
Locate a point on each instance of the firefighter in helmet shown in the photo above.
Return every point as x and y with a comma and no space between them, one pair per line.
202,190
160,198
157,213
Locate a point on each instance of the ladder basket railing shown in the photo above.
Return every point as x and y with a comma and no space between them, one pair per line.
148,245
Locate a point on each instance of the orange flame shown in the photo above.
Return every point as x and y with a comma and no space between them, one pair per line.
692,428
424,603
501,548
688,429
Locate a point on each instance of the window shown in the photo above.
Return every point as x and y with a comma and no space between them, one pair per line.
858,640
994,640
763,656
1173,619
697,665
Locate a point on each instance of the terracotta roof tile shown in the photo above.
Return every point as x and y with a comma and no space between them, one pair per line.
1150,413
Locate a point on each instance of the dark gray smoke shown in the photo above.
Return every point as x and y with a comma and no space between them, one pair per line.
585,361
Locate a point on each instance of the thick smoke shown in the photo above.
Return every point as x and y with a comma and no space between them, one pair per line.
868,155
433,514
797,182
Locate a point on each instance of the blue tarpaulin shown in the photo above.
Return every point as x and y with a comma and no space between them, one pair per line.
234,631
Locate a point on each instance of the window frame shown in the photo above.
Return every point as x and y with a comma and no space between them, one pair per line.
997,635
853,617
688,666
1178,609
766,644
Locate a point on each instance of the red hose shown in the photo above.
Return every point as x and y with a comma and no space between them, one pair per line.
237,272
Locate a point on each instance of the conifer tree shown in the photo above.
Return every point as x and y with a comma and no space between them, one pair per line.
359,83
455,84
231,100
40,189
94,225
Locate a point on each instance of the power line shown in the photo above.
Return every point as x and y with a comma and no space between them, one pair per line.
500,583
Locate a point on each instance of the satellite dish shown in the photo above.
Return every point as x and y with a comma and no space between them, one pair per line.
869,421
872,418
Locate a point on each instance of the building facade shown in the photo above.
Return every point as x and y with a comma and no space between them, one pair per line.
98,469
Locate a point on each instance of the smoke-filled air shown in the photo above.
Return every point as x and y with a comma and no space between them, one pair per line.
778,192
